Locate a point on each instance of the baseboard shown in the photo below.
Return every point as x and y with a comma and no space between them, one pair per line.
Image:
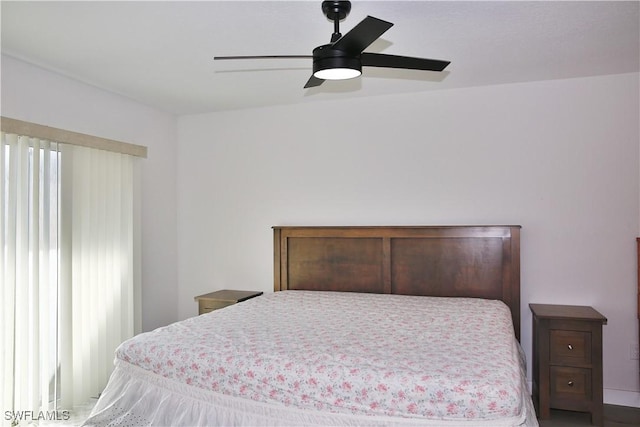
621,397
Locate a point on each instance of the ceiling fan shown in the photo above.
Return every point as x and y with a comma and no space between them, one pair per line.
344,57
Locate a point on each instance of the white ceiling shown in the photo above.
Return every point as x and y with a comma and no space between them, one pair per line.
161,53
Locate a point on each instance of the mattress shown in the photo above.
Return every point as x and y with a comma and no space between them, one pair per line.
325,358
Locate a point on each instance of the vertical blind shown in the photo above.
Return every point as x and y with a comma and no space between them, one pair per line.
28,268
68,267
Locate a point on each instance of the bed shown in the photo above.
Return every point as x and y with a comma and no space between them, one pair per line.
366,326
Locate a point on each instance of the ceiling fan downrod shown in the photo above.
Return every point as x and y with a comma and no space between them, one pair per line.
336,11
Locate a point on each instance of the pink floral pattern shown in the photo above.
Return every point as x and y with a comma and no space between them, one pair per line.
439,358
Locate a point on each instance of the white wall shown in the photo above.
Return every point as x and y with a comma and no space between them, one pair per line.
559,158
35,95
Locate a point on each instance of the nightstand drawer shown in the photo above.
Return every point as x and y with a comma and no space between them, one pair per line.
205,306
570,384
570,347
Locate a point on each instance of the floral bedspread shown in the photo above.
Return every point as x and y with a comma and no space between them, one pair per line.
439,358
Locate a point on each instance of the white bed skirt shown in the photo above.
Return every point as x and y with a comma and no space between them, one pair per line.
135,397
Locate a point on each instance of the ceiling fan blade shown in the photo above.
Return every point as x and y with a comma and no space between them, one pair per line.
362,35
216,58
313,82
394,61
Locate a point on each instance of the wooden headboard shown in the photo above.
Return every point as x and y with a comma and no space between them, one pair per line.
451,261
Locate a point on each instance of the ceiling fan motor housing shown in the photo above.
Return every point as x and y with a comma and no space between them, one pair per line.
324,57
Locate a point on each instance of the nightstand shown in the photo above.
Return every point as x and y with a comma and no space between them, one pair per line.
220,299
567,359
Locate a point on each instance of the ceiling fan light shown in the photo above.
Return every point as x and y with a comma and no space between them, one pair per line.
332,64
337,73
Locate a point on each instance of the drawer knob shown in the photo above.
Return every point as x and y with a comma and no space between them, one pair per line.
570,347
570,383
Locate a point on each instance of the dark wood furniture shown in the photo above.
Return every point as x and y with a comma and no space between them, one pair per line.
447,261
567,359
220,299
